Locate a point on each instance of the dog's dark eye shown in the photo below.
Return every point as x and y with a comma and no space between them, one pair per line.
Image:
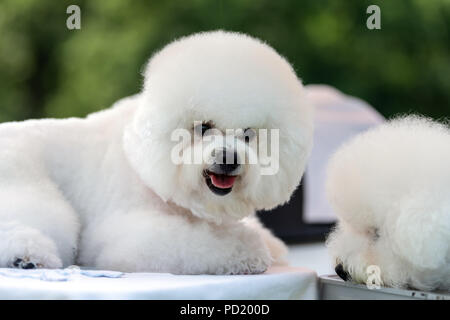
201,129
205,127
249,134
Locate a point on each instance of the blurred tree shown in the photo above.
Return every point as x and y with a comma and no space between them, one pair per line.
47,70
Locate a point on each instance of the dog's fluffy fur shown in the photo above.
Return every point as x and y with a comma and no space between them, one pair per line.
103,192
390,188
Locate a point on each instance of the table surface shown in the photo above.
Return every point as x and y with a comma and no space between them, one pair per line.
277,283
334,288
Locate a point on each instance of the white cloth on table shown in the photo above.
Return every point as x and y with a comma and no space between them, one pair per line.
276,283
58,274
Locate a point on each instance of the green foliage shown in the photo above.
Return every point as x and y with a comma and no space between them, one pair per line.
47,70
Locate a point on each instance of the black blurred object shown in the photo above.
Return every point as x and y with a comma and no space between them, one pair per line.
287,222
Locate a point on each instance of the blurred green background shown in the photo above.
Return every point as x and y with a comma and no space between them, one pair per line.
47,70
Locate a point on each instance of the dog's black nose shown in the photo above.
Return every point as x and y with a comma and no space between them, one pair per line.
228,167
341,272
228,161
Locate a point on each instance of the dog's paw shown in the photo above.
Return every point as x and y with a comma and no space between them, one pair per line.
24,264
252,263
253,266
27,248
251,255
36,256
43,261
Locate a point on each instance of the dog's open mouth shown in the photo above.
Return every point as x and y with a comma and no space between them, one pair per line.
220,184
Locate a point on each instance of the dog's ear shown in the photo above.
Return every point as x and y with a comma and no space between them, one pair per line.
421,234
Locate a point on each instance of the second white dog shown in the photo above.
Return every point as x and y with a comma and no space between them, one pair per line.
391,190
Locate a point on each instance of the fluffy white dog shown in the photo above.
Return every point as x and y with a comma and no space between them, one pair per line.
105,191
390,188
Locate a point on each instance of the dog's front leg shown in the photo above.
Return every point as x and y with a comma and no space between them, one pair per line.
154,241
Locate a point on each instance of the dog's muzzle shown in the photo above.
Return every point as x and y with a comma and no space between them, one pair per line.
222,174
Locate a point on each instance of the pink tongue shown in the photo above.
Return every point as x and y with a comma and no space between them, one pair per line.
222,181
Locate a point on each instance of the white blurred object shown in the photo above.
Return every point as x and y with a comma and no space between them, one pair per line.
313,256
338,118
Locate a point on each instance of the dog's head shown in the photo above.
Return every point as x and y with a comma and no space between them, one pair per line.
223,127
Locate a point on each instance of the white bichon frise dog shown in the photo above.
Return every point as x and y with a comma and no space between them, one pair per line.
109,192
390,188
